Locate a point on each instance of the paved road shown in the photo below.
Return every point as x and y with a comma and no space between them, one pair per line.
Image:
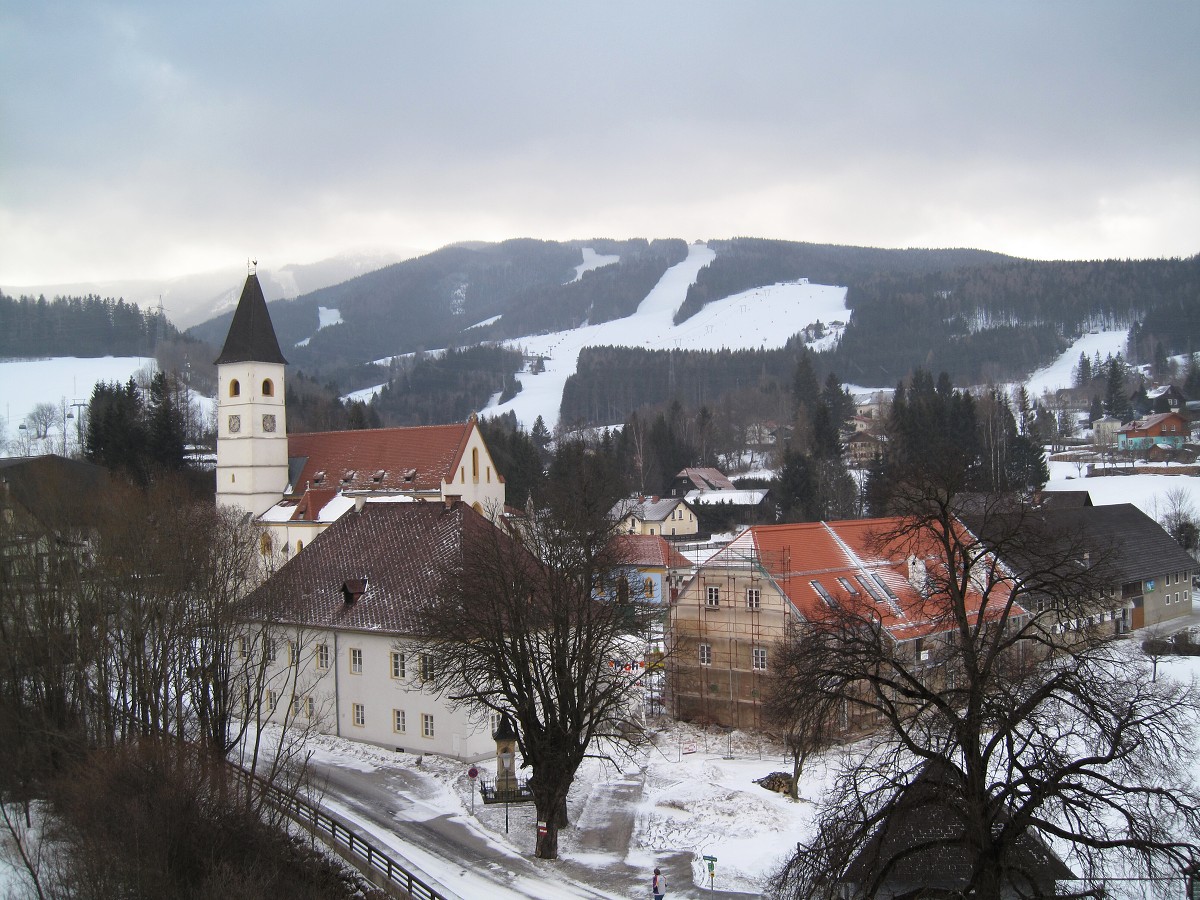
403,803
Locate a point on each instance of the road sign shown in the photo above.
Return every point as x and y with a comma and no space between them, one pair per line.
472,773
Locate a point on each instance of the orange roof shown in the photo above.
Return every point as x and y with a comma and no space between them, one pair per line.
819,565
379,459
308,507
649,550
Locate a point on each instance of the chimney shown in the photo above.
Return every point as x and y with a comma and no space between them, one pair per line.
917,576
359,502
452,500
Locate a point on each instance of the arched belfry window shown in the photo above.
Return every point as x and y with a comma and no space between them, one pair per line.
268,388
235,388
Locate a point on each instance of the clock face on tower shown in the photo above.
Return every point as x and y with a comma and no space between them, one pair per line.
268,423
235,424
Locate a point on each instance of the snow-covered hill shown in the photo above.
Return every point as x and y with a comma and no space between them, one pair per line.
764,317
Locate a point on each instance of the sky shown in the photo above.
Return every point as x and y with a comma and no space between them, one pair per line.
147,139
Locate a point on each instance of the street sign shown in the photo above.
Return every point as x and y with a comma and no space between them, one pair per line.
472,773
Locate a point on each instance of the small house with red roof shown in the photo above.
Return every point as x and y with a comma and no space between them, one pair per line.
1166,431
297,484
661,568
744,597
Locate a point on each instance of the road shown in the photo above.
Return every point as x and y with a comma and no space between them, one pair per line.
402,809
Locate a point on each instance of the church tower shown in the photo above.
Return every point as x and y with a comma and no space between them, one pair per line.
252,444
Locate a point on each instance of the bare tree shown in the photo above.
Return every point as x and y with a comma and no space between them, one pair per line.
1058,731
1180,520
539,631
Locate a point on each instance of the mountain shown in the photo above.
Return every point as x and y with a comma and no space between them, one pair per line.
191,299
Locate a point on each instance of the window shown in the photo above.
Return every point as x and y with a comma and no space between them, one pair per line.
299,546
714,596
297,705
426,667
355,661
264,544
427,725
293,654
475,464
706,654
241,647
753,598
322,656
309,707
269,649
399,724
649,588
235,388
760,659
270,702
397,664
360,715
268,388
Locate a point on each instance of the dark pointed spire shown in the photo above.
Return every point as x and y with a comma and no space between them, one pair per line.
251,336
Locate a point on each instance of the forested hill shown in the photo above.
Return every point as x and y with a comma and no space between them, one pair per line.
745,263
88,326
432,301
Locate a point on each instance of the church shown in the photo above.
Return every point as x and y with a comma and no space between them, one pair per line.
361,526
296,485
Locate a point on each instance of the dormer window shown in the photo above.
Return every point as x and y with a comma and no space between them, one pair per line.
353,588
377,478
319,478
410,474
235,388
348,476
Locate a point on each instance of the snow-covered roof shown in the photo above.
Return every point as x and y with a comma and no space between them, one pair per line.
735,497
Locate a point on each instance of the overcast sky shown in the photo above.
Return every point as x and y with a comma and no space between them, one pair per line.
156,139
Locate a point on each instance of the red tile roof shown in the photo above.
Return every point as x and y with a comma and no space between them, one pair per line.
817,564
309,506
706,478
391,557
379,459
649,550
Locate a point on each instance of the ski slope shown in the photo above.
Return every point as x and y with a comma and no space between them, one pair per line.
763,317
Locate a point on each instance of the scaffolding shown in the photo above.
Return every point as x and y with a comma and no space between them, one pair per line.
724,624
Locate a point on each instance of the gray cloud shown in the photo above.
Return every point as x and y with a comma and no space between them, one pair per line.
144,139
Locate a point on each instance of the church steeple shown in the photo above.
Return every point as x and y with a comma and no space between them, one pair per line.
252,444
251,336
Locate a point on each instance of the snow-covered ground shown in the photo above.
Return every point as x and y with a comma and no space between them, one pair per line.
24,383
763,317
1147,492
593,260
325,318
1060,373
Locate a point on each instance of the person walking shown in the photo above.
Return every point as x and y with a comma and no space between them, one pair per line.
659,885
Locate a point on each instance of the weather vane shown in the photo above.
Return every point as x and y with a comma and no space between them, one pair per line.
251,266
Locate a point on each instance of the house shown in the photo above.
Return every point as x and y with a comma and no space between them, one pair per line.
862,447
743,598
667,516
922,848
1159,398
49,508
1104,432
297,484
1166,430
700,479
337,621
661,568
